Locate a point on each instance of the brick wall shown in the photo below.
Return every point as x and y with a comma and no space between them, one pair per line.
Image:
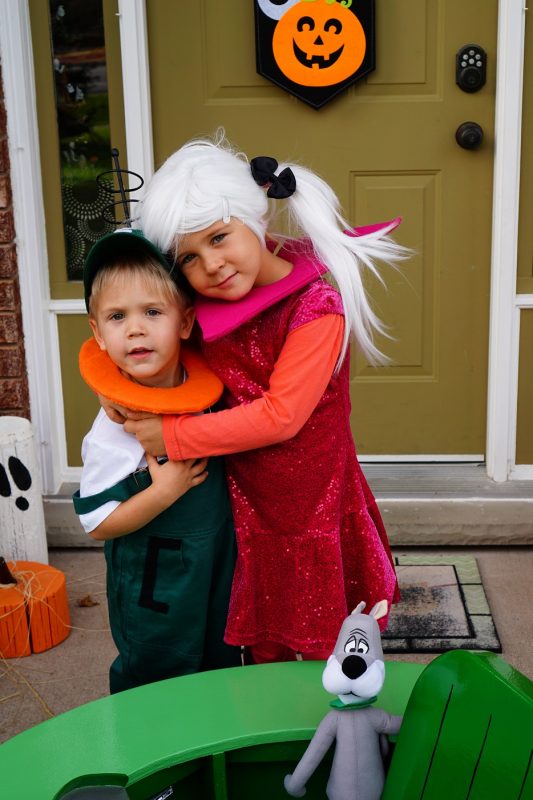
14,397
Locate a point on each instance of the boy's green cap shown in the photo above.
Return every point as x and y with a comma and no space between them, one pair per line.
124,242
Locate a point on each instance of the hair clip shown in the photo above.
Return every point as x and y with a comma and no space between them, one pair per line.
108,213
226,216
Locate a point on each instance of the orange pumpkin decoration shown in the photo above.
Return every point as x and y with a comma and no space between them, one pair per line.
318,43
34,613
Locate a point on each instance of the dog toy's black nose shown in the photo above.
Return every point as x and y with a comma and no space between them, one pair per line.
353,666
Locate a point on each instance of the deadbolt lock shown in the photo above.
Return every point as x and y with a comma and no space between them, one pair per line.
471,68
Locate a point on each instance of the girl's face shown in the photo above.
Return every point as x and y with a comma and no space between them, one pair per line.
226,260
141,330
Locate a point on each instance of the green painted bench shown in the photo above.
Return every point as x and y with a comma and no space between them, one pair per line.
227,733
233,734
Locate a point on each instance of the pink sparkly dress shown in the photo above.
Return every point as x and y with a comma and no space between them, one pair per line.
311,542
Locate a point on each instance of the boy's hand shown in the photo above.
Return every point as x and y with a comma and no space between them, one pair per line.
173,479
115,412
170,481
149,432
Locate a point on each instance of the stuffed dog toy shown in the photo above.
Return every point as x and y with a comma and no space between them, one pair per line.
355,672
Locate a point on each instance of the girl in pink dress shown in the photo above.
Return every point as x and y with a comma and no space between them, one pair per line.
311,542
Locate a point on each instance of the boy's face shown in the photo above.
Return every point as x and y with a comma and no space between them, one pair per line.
141,329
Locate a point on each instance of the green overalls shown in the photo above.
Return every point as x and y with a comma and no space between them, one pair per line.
168,584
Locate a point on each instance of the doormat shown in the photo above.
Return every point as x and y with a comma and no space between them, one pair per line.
443,607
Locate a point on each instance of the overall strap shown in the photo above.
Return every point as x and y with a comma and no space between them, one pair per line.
121,491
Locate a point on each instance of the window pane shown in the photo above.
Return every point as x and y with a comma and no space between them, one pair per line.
80,76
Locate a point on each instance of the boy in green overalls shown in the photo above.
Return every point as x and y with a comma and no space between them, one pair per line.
167,527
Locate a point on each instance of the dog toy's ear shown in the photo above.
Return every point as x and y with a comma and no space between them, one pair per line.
359,608
379,610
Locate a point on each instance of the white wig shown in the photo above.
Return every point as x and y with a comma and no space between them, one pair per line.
206,181
200,184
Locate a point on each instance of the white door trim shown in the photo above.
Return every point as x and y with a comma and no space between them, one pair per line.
503,333
19,91
136,87
28,210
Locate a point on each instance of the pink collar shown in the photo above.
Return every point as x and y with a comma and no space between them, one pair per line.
220,317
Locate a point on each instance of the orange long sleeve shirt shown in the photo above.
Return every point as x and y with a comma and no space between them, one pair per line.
298,381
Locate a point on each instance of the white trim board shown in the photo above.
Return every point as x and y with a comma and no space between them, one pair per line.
69,306
503,342
136,87
524,301
28,208
437,458
522,472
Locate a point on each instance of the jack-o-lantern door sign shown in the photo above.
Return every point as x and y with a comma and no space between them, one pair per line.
314,49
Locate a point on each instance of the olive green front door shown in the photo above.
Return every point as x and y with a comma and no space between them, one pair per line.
388,147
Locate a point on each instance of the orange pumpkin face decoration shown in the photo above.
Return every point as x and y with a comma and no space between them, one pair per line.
318,43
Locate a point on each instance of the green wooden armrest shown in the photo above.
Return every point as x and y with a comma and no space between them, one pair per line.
467,733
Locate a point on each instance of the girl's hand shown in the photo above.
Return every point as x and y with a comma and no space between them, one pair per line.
173,479
114,411
149,432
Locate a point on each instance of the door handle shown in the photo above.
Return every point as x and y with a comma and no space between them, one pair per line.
469,135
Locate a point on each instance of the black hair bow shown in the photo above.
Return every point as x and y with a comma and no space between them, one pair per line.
263,172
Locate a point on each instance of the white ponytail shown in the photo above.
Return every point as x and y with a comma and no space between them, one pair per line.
315,209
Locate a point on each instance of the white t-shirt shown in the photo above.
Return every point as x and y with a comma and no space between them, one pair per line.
109,454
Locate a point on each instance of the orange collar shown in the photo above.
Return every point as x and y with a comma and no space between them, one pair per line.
200,391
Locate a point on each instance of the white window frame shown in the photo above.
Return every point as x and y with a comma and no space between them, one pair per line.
505,304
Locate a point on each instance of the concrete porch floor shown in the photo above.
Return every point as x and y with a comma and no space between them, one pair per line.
40,686
444,505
